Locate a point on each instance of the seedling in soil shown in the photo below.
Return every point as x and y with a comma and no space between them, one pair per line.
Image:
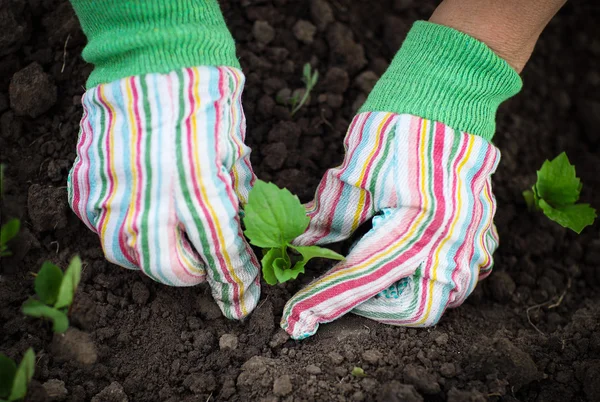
15,380
310,79
273,218
55,292
358,372
556,193
8,231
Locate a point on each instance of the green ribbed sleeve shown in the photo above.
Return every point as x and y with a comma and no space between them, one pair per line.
445,75
134,37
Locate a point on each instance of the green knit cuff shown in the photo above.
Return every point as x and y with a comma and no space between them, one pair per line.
134,37
445,75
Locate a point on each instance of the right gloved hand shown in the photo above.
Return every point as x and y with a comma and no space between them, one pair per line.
161,163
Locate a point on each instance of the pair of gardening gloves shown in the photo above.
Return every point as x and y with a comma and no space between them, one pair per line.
162,168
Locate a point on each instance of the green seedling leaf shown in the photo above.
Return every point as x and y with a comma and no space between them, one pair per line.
272,257
69,284
8,369
575,217
36,308
23,376
47,283
284,273
557,182
309,252
556,192
358,372
273,216
8,232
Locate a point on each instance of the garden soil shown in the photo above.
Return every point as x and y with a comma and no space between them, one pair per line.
530,332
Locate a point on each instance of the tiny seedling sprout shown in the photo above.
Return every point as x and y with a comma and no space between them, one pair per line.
310,79
556,193
55,292
10,229
15,380
274,218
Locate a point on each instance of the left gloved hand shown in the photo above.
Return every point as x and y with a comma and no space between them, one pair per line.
426,180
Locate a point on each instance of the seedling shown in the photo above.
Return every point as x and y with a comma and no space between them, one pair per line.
310,79
15,380
556,193
8,231
273,218
358,372
55,292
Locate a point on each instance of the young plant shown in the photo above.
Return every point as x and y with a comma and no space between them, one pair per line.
273,218
310,79
55,292
15,380
556,193
8,231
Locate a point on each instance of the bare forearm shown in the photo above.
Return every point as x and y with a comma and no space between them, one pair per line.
509,27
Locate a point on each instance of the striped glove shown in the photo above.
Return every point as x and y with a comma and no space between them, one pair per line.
161,163
426,181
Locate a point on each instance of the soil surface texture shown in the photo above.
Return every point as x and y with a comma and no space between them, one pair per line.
530,332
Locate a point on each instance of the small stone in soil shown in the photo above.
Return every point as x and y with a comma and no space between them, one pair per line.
395,391
47,207
112,393
313,369
74,345
372,356
501,286
140,293
422,380
55,389
304,31
228,341
282,385
31,91
321,13
263,32
366,81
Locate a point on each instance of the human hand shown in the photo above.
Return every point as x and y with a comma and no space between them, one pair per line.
414,165
160,171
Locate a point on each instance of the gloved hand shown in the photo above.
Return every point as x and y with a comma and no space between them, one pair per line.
161,163
411,162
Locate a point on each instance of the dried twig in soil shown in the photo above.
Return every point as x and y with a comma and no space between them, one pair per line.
550,305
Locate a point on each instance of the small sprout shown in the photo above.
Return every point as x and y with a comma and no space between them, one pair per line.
273,218
358,372
15,380
55,292
556,193
8,232
310,79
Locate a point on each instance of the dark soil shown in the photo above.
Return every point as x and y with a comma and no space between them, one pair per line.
530,332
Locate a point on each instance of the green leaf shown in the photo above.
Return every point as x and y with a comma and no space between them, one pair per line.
8,368
530,200
36,308
309,252
8,231
283,272
557,182
47,283
69,284
358,372
267,265
273,216
575,217
23,376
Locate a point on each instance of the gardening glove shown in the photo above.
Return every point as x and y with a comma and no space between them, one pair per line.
161,163
419,160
